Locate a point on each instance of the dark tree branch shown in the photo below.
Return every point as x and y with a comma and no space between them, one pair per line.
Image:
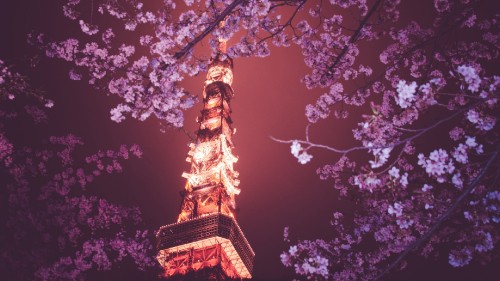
443,217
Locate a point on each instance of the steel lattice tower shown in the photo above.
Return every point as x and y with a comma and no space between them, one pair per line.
206,243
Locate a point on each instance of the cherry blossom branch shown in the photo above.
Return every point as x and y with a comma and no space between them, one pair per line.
410,138
437,36
311,144
354,36
423,131
207,30
443,217
287,23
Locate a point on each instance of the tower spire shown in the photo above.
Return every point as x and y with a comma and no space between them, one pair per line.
207,243
221,48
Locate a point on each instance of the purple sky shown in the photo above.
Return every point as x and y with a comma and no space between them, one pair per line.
269,101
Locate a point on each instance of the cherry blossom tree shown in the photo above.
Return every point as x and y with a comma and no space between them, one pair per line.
404,82
415,194
52,227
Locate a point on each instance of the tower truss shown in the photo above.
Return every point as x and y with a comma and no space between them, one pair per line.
206,242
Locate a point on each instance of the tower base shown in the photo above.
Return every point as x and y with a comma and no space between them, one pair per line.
211,244
207,274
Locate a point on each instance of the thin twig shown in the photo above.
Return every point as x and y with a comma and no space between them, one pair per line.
288,23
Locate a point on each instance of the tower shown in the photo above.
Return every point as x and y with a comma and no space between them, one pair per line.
206,242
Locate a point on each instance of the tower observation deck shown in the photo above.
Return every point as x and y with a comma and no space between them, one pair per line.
206,242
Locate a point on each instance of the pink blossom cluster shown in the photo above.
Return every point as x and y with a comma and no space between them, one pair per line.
302,156
149,84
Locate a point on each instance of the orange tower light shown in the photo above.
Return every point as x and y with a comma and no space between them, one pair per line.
207,243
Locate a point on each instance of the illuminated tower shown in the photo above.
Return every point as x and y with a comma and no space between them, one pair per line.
206,243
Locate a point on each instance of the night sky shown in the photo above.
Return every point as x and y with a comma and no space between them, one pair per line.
269,101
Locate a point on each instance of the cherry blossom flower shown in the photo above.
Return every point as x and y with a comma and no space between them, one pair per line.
303,157
470,76
471,141
406,93
394,172
460,154
426,187
396,209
